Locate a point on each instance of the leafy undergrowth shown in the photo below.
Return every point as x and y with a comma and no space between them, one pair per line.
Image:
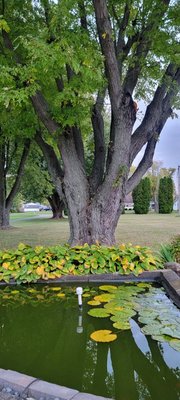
176,248
155,313
27,264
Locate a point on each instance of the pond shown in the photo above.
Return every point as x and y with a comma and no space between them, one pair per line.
43,333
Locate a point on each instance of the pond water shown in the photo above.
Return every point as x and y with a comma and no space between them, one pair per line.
43,333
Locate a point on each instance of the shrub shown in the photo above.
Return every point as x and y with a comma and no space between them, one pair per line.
142,196
166,253
27,264
165,195
176,248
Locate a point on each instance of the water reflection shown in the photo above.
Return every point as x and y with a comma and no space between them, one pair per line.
43,341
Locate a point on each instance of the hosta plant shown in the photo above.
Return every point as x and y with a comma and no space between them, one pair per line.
27,264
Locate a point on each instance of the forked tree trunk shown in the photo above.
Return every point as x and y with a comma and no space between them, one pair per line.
7,201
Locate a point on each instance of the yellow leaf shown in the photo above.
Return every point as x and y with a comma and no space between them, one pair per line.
55,289
104,35
104,298
6,265
131,266
94,302
32,291
103,336
40,270
60,295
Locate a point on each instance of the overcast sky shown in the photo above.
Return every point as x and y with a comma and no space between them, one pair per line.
168,147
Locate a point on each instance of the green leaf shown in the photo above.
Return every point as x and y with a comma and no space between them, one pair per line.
98,312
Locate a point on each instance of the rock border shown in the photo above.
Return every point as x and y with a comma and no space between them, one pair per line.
30,387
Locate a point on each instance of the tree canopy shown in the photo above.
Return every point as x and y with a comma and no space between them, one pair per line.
61,61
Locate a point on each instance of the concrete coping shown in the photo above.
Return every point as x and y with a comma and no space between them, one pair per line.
34,388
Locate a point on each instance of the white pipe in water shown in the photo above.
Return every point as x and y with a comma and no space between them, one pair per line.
79,292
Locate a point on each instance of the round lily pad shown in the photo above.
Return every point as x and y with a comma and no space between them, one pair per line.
104,298
103,335
98,312
108,288
94,302
124,325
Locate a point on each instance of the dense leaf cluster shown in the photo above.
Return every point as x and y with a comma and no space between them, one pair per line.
27,264
142,196
166,195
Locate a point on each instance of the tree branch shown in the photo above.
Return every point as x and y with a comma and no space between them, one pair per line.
99,142
157,112
83,16
42,109
143,166
108,50
53,164
19,175
9,159
122,27
143,46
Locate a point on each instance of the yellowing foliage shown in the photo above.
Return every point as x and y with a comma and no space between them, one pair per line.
103,335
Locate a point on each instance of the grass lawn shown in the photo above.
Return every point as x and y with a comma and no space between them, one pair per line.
39,229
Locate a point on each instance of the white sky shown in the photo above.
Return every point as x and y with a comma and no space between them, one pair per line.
168,147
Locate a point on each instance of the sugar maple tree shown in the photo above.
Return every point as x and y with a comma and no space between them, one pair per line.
65,58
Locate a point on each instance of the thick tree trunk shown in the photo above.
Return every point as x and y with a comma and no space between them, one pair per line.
4,217
57,205
97,221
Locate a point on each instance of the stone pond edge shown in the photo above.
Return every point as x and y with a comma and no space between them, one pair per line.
30,387
33,387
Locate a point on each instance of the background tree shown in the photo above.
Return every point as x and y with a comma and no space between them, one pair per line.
166,195
37,184
155,173
141,196
14,151
131,51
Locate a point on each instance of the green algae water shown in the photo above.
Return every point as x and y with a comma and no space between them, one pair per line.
43,333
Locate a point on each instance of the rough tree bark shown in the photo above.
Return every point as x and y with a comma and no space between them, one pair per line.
6,201
95,202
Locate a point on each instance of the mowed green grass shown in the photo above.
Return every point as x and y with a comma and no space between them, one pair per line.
40,229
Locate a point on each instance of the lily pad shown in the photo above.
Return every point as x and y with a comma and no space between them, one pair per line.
103,336
60,295
98,312
94,302
152,329
124,325
104,298
108,288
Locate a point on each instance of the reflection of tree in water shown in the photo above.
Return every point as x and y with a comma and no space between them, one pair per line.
135,375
